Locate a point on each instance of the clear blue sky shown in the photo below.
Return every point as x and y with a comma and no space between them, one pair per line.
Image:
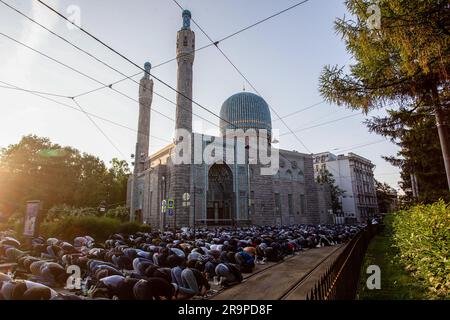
282,57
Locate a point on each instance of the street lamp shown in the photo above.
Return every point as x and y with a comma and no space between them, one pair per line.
163,197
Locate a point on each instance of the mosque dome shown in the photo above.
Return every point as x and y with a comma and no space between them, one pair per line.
245,110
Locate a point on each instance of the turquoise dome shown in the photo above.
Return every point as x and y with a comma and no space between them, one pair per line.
245,110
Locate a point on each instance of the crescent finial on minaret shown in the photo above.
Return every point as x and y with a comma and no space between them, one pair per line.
186,19
147,67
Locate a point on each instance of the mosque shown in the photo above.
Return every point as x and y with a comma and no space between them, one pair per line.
165,193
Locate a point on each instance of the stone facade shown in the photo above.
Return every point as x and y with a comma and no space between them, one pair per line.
290,197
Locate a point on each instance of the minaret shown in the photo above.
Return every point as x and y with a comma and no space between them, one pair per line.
143,138
180,183
185,59
145,104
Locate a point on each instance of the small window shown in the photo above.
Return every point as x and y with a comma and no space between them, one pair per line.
302,204
277,203
290,205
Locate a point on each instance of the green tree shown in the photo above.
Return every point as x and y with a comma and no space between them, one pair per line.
385,196
118,176
420,154
326,177
37,169
401,64
93,178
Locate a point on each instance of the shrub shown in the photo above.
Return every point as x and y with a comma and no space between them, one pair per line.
100,228
133,227
58,213
422,235
120,213
15,218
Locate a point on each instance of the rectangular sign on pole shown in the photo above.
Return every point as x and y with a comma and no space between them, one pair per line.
163,206
31,222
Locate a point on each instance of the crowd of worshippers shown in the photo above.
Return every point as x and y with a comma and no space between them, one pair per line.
155,265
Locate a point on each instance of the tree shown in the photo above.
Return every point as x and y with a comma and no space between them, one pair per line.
386,195
403,62
93,182
37,169
326,177
118,181
420,154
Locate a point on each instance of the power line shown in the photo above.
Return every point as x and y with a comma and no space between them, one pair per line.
107,65
11,86
161,81
301,110
215,43
125,58
359,146
256,23
86,52
139,67
135,64
48,57
324,123
242,75
98,128
78,72
103,87
139,73
38,92
172,60
102,62
321,118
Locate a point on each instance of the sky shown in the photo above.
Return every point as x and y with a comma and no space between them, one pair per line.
282,57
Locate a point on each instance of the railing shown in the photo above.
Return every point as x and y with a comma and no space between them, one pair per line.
340,281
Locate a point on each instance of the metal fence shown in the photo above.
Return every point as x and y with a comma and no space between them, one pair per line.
340,281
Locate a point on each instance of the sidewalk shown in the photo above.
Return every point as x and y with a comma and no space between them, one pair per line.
273,283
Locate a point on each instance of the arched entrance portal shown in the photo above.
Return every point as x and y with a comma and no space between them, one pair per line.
220,195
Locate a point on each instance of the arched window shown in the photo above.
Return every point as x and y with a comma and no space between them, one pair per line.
289,175
301,176
278,174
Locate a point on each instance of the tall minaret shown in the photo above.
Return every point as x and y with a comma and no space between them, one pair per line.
143,138
145,104
185,59
180,183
